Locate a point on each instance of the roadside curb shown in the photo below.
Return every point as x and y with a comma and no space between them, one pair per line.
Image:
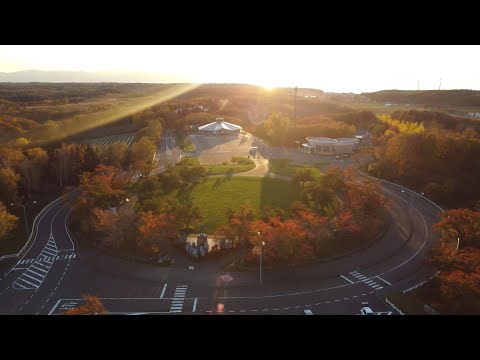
35,224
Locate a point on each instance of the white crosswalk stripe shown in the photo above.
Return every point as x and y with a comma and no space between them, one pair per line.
366,280
33,277
178,299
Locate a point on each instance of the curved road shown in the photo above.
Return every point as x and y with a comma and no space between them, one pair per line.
51,277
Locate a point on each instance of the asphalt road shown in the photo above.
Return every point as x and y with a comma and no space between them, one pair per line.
51,276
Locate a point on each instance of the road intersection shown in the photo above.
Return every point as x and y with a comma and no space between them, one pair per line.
50,276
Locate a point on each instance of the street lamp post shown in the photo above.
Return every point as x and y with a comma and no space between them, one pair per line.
262,244
25,215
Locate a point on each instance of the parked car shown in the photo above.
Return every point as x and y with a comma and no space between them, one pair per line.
366,310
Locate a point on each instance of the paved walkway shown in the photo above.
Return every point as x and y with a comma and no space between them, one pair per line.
262,169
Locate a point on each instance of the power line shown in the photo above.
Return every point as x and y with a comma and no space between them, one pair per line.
295,108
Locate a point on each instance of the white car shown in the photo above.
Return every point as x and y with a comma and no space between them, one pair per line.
366,310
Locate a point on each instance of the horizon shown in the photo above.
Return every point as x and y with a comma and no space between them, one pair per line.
327,68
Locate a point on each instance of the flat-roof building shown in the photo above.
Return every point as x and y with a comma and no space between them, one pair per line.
323,145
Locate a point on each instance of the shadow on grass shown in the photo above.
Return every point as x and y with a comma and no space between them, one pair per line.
278,193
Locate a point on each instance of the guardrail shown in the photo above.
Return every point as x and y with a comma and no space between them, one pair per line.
423,197
403,188
420,284
392,305
430,310
34,224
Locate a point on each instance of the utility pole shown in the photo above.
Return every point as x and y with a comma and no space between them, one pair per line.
439,86
418,85
295,108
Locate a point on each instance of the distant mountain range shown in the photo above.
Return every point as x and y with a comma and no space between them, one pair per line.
85,77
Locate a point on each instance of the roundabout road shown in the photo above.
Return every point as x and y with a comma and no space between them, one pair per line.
51,276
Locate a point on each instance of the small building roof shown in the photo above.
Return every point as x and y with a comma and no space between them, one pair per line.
219,125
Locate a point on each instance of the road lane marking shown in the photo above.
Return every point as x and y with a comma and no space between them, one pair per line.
31,277
163,291
178,298
43,270
195,305
350,281
385,281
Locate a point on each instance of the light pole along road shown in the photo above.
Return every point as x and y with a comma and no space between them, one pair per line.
36,284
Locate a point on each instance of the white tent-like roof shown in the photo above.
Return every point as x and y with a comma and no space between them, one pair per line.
219,125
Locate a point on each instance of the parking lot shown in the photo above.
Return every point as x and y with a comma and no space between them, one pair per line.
109,140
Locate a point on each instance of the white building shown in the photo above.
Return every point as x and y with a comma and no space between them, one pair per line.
322,145
220,127
474,114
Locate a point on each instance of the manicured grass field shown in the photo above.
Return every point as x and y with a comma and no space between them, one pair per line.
215,195
283,167
237,165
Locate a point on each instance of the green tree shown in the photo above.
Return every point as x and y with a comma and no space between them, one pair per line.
302,176
278,127
142,152
317,197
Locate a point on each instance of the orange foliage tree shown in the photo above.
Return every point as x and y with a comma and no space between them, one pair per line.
92,306
285,240
239,223
153,228
103,187
462,224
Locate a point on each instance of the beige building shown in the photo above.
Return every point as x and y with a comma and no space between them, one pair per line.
322,145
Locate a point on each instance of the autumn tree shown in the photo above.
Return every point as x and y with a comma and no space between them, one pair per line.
462,225
154,229
92,306
315,226
117,227
333,179
141,153
9,180
461,288
285,240
33,168
239,223
103,187
10,157
8,222
278,127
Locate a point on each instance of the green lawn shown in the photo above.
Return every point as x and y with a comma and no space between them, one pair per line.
283,167
215,195
239,164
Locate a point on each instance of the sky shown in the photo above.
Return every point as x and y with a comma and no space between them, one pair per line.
332,68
